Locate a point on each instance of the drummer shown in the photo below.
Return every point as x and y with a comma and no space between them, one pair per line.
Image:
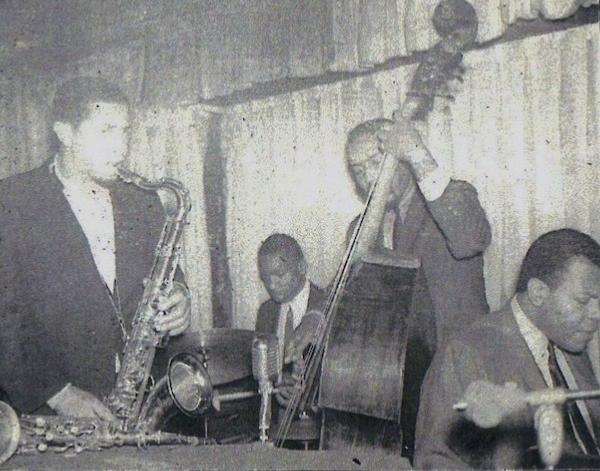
293,311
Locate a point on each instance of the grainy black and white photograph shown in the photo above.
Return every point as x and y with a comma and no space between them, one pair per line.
299,234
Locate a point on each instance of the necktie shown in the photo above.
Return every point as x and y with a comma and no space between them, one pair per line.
289,326
574,424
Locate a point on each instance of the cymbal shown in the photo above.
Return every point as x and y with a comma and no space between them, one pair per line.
228,352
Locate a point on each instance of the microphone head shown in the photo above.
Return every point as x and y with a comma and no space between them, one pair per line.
266,364
550,433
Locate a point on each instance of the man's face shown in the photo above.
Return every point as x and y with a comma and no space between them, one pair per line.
364,158
282,278
571,309
100,143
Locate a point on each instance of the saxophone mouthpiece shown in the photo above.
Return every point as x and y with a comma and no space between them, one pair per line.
126,175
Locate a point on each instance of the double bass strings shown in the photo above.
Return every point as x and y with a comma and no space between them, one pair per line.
456,23
315,352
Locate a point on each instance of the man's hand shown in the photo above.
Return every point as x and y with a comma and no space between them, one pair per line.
402,140
304,334
75,402
289,384
176,309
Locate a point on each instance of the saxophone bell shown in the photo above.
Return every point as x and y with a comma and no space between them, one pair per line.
189,383
10,432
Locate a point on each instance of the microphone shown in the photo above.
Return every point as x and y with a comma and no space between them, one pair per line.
487,404
265,369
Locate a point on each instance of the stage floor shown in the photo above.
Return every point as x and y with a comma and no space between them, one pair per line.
213,457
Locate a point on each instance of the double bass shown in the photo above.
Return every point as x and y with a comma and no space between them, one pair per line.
356,370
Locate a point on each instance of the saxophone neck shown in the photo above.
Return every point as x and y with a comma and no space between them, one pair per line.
177,205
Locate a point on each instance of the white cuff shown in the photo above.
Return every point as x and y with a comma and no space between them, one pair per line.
434,184
55,400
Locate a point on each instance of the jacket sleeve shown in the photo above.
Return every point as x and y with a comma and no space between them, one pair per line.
443,386
262,321
445,438
461,219
29,375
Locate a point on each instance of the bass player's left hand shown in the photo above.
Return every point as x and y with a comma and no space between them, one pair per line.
176,308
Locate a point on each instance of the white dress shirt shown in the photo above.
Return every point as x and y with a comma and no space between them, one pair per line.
535,340
298,305
92,206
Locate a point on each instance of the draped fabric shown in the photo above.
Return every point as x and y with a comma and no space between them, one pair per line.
213,48
171,143
23,129
523,130
369,32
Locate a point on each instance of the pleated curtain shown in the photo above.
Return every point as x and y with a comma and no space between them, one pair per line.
523,129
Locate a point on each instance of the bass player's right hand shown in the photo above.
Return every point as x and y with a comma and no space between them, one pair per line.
74,402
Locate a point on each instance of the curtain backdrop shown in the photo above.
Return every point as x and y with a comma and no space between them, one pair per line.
369,32
523,130
171,143
173,51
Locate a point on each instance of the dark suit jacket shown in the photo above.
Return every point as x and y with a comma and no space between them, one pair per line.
449,236
57,324
492,349
268,312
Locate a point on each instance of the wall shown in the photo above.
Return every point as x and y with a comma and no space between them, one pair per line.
523,130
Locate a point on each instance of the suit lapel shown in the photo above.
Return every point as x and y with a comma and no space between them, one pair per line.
274,316
74,244
406,233
316,299
136,235
581,366
531,376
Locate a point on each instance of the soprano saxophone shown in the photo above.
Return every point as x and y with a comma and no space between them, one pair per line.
126,399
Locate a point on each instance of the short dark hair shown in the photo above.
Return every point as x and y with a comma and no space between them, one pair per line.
549,255
73,97
364,129
283,245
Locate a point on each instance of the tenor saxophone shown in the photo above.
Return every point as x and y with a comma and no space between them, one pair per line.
30,434
33,434
126,399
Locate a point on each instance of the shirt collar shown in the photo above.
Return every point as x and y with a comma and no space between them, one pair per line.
76,186
405,201
534,337
299,304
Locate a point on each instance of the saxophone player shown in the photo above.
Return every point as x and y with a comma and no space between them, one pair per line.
76,244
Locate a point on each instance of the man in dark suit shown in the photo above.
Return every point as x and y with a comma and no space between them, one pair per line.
416,210
537,341
294,310
76,244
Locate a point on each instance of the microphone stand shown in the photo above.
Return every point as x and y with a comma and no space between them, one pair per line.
265,389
